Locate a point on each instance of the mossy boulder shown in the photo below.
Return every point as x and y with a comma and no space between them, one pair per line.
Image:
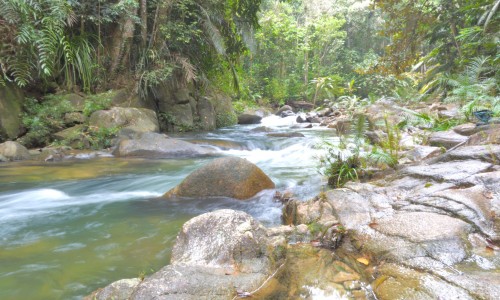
224,177
137,119
11,103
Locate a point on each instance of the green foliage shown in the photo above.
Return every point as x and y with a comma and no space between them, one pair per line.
472,88
42,119
102,137
331,85
226,119
340,167
97,102
304,51
241,106
36,44
387,152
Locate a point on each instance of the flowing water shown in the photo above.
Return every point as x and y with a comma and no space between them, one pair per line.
69,228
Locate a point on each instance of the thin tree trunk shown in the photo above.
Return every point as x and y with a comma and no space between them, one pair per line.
144,23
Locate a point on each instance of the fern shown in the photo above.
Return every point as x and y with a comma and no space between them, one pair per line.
382,157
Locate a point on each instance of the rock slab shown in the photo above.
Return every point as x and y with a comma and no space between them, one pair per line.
155,145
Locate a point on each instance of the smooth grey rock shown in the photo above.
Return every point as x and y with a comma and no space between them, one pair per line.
447,171
155,145
262,129
451,113
121,289
301,105
420,153
301,126
467,129
441,236
14,151
215,255
352,209
446,139
193,283
238,244
486,153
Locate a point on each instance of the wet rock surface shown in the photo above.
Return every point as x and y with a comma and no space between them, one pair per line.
224,177
432,228
155,145
216,256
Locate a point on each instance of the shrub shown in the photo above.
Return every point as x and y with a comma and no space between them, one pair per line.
97,102
340,166
43,118
226,119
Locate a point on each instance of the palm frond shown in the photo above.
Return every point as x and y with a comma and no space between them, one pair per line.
212,32
188,69
381,157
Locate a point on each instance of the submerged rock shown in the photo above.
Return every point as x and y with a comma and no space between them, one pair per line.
286,134
155,145
224,177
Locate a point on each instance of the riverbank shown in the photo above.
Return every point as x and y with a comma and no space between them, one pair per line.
88,192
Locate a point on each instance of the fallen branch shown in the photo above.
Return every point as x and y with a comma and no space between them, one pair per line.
246,294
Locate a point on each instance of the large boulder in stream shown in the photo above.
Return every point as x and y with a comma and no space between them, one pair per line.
155,145
224,177
216,255
248,118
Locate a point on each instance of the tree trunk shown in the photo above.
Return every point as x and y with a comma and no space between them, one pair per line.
144,23
121,40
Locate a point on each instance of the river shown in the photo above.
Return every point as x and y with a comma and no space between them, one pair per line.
70,227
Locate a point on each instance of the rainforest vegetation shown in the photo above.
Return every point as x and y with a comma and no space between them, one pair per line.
258,52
